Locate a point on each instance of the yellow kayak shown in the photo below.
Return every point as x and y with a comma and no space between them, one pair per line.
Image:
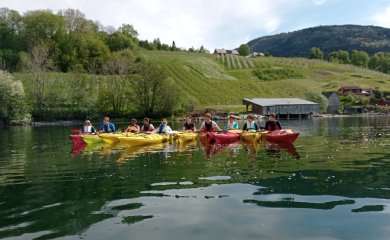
185,136
252,137
111,138
143,139
91,139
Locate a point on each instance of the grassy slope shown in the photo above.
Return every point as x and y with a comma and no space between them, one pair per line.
209,80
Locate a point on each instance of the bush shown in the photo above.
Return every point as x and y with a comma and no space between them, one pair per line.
12,98
277,73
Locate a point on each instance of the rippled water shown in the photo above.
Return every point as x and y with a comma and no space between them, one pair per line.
335,184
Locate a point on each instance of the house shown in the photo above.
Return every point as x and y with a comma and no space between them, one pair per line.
354,90
233,52
220,51
282,107
257,54
333,103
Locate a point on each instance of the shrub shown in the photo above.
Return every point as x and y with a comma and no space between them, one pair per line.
277,73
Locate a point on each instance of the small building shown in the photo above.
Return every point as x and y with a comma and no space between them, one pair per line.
283,107
355,90
333,103
233,52
257,54
221,51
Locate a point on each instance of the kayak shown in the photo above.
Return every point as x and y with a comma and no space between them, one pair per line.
182,137
143,139
76,139
110,138
282,136
91,139
252,137
220,138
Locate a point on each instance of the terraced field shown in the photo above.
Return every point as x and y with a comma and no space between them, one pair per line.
209,80
232,62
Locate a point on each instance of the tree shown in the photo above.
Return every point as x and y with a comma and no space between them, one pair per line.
153,90
340,56
12,98
244,50
359,58
316,53
173,47
380,62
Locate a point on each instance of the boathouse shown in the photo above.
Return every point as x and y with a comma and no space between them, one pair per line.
282,107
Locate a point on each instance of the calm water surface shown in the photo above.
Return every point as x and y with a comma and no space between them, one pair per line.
334,184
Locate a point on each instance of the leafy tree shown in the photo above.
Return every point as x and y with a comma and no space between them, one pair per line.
359,58
244,50
340,56
380,62
12,98
316,53
154,92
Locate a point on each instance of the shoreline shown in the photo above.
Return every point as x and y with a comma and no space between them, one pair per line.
70,123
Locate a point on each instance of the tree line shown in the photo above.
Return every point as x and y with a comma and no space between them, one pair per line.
71,42
379,61
104,72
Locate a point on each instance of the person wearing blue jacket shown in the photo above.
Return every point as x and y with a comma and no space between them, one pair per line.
107,126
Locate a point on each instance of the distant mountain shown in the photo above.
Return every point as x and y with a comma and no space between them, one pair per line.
371,39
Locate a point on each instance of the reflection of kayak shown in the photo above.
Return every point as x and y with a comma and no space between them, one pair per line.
143,139
288,147
185,136
282,136
91,139
252,137
220,137
110,138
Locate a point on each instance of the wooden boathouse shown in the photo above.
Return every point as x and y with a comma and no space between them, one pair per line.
282,107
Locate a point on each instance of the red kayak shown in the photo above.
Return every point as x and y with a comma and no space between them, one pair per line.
282,136
219,137
76,139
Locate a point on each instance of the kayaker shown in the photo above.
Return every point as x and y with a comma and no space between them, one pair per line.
88,128
164,128
133,127
147,127
107,126
250,124
233,123
272,124
189,125
209,125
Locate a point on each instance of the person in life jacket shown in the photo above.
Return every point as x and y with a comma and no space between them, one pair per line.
164,128
272,124
250,124
189,125
88,128
147,127
107,126
133,127
233,123
209,125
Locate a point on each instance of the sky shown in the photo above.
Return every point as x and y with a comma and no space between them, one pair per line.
218,23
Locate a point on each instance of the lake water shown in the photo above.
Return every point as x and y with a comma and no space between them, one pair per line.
334,184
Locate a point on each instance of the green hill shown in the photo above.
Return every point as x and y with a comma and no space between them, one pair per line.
205,80
209,80
371,39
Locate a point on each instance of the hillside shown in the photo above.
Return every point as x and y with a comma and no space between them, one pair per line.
329,38
210,80
206,80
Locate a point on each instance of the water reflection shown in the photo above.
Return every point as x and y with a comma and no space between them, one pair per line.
338,189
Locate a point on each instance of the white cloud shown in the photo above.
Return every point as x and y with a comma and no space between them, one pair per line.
213,23
382,18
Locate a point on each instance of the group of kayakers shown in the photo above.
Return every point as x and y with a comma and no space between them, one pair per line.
208,125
